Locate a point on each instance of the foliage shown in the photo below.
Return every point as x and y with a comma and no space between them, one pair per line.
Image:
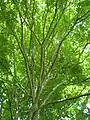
44,59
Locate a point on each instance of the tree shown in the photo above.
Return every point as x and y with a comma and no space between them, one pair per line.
44,59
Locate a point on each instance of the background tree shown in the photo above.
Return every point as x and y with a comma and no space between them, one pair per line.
44,59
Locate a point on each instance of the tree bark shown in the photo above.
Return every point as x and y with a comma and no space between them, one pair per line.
33,114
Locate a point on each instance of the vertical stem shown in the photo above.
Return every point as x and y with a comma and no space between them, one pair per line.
1,105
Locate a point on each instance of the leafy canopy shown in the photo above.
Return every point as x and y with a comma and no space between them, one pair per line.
44,59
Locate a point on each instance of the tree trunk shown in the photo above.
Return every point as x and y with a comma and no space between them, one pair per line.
32,114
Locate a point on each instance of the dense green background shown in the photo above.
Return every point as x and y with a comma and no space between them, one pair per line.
45,59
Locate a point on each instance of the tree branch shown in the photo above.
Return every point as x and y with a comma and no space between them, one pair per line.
63,100
68,99
54,89
64,38
55,14
21,47
26,22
